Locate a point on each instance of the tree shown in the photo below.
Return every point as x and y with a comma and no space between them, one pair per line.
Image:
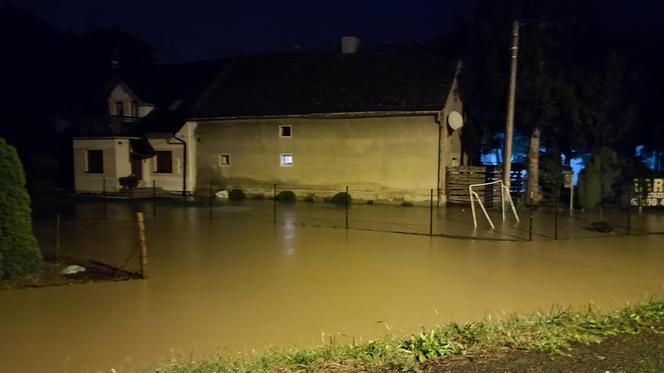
19,253
599,110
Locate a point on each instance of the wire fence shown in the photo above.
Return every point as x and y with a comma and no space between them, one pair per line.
99,235
106,231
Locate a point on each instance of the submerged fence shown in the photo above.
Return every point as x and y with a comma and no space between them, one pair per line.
103,234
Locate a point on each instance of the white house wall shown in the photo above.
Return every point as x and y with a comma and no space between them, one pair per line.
173,181
113,149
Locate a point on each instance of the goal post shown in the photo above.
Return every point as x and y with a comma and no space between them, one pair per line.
505,197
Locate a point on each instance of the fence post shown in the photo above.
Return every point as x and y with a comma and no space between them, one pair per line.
210,201
530,225
274,204
431,212
154,198
142,248
555,219
347,201
629,208
57,236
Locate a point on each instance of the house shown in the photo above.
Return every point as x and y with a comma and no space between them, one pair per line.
374,118
145,131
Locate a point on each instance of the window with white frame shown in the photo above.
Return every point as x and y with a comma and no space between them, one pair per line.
285,131
224,159
286,159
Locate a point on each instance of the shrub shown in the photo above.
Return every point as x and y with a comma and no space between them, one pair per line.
310,197
237,194
128,182
601,226
341,198
19,252
406,204
286,196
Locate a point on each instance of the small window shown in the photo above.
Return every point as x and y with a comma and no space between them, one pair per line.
164,162
224,159
119,109
286,160
286,131
94,161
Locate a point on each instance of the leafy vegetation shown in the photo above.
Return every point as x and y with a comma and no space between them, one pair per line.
19,253
237,195
129,182
551,332
341,198
601,226
286,196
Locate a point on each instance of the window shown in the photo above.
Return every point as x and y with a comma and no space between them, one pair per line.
94,161
224,160
286,160
119,109
164,162
286,131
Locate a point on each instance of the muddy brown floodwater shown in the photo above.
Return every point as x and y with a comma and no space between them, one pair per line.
239,282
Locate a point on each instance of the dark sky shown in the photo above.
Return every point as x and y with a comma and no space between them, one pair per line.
203,29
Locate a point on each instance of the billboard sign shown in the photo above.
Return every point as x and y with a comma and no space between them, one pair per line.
648,192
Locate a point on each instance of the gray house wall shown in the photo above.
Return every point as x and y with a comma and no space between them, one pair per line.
380,158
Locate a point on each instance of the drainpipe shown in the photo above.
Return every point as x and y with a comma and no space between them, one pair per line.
442,157
184,165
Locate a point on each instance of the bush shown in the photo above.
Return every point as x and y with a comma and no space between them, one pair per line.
129,182
237,194
341,198
601,226
19,252
310,197
286,196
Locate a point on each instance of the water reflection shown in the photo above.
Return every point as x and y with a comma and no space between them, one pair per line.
239,282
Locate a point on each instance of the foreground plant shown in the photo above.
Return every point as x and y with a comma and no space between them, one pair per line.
553,332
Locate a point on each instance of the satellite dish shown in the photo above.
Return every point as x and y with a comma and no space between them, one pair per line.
455,120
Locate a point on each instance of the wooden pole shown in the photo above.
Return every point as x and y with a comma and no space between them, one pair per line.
629,208
347,198
274,204
509,123
142,247
431,212
57,236
210,201
154,198
555,219
530,225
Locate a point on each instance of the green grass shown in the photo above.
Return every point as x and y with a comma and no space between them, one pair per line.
553,332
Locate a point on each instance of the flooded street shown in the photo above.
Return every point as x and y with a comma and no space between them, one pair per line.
239,282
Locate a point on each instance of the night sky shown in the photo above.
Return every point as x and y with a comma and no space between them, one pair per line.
182,30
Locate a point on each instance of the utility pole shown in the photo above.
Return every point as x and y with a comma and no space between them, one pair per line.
509,124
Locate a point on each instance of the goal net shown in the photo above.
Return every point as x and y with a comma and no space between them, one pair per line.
505,198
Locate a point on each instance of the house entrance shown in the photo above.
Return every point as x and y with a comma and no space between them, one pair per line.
137,167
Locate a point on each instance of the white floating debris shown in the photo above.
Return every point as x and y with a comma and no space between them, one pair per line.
223,194
70,270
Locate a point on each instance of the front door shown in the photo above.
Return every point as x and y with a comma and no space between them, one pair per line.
137,167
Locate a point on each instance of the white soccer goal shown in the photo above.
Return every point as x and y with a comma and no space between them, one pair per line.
504,197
